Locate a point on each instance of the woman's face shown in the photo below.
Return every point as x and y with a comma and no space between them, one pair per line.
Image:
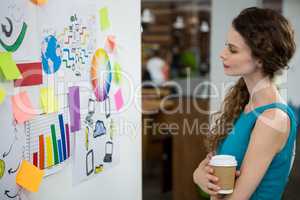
236,56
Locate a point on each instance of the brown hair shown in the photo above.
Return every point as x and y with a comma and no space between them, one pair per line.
271,40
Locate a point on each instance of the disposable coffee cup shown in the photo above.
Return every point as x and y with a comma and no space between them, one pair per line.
224,168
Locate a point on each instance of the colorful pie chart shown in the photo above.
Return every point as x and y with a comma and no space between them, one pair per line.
101,74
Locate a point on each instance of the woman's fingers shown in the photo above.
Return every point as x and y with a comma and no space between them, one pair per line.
211,193
213,187
237,173
209,155
209,169
204,162
212,178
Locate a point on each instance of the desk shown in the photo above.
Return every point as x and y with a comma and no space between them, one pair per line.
155,105
151,109
187,150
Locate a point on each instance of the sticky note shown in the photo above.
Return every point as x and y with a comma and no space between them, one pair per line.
110,43
22,107
104,19
8,66
39,2
117,73
31,74
29,176
74,108
119,100
2,95
49,101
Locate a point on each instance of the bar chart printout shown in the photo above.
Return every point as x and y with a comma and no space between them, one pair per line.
48,141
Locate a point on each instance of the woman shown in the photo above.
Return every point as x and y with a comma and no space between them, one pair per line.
260,44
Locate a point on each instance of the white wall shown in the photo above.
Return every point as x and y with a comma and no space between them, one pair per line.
222,14
125,180
291,11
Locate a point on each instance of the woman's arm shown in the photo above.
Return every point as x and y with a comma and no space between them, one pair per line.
268,137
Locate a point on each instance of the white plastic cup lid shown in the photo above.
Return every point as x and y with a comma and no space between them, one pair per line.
223,160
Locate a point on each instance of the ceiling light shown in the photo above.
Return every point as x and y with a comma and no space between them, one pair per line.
147,16
204,27
179,23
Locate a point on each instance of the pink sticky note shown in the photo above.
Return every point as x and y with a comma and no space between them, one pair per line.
22,107
119,100
110,43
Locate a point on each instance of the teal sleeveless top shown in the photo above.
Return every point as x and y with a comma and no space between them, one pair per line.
275,179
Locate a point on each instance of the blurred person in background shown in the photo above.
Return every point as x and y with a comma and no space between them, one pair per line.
158,67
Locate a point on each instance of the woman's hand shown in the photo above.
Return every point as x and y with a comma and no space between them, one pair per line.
204,178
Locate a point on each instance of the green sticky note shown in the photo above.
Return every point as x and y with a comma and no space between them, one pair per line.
8,66
117,72
104,20
2,95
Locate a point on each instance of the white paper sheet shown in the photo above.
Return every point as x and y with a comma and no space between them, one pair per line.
19,31
97,143
75,35
41,127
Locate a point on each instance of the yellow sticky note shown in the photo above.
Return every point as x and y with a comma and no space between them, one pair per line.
8,66
2,95
22,107
104,19
49,101
29,176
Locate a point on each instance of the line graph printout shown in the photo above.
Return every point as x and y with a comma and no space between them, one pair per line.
48,142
